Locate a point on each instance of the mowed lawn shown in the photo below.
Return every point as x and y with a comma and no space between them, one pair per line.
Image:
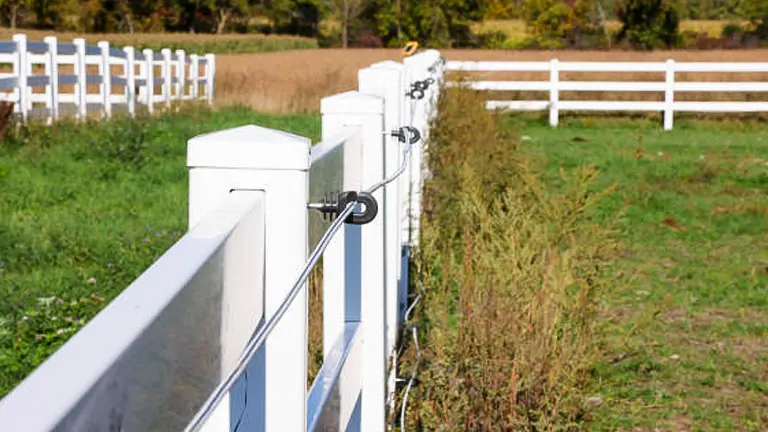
84,210
686,331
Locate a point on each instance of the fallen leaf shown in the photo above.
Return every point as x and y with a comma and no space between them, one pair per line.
672,223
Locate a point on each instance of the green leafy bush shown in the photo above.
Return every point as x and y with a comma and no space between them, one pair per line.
648,24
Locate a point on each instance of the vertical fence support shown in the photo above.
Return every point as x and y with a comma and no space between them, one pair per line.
210,77
256,158
130,80
81,88
669,95
181,69
554,92
52,70
194,75
21,70
106,79
167,80
366,111
149,75
385,80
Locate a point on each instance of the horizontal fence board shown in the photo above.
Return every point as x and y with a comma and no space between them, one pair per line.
609,106
160,340
721,107
336,389
489,66
720,67
611,67
518,105
721,87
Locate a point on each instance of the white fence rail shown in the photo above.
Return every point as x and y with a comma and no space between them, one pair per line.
213,336
36,81
668,87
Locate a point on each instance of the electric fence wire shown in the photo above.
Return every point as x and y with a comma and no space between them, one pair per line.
261,334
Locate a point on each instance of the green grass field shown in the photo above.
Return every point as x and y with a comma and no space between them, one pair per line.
84,210
686,333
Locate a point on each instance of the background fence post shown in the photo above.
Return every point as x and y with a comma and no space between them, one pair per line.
256,158
21,70
81,89
149,75
554,92
106,79
167,80
52,70
181,73
366,111
385,80
130,80
194,75
210,77
669,95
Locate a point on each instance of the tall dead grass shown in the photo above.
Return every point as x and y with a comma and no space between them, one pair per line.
513,275
295,81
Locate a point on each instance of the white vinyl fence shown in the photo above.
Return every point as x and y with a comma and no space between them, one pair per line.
213,336
36,82
669,87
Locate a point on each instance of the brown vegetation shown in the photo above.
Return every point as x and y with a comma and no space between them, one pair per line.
295,81
513,275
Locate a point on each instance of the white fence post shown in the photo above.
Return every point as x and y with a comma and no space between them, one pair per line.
366,111
256,158
194,75
52,70
81,89
669,95
210,77
181,73
106,79
167,76
554,92
149,75
21,70
385,80
130,79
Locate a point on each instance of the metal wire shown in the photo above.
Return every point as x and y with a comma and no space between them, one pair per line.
261,334
396,174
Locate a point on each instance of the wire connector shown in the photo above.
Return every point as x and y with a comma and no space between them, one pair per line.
419,88
331,207
439,62
407,135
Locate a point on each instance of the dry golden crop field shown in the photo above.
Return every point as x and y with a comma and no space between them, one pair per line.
295,81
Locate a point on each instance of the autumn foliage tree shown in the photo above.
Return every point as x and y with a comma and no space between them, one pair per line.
649,24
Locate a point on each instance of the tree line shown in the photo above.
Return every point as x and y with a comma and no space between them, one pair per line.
440,23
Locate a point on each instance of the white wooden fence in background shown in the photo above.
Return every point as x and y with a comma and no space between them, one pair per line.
146,77
668,87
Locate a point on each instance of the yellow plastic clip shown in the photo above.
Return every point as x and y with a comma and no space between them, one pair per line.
410,48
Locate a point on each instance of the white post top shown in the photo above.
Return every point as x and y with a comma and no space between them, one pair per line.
425,59
352,102
249,147
388,64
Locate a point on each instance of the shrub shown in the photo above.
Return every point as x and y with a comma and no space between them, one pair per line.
648,24
513,275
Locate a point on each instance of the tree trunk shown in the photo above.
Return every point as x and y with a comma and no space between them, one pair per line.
222,24
14,15
345,25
